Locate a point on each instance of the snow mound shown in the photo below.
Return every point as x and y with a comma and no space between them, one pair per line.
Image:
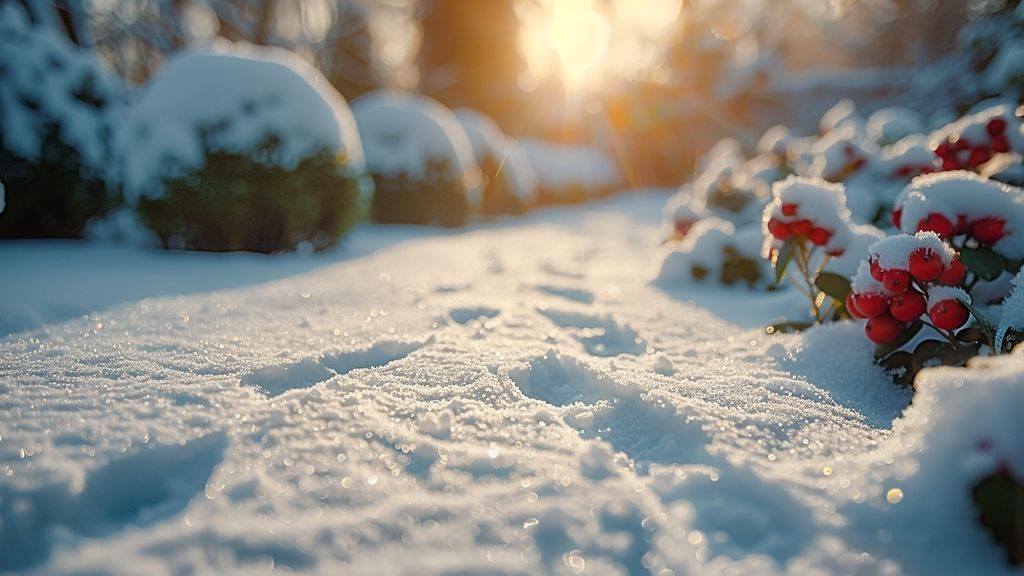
406,133
45,81
488,141
561,167
235,98
890,125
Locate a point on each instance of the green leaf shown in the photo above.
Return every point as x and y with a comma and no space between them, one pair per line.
987,328
787,327
782,258
983,262
834,285
906,336
1014,266
999,499
900,367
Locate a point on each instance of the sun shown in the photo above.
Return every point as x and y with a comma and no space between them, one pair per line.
579,36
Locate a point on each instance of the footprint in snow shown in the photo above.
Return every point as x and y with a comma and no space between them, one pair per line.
601,409
574,294
276,380
467,315
152,484
600,335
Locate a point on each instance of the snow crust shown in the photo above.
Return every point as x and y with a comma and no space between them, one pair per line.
383,414
244,95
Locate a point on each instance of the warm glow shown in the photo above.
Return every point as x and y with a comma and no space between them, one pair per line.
579,35
590,41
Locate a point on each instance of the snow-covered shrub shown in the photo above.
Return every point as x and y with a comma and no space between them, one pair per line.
55,113
972,141
807,225
241,148
420,158
890,125
510,185
717,251
570,173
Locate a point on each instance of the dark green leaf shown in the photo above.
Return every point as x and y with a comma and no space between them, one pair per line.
834,285
987,328
782,258
787,327
934,353
906,336
999,499
983,262
1014,266
899,366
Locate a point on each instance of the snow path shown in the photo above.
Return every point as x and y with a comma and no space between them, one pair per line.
512,399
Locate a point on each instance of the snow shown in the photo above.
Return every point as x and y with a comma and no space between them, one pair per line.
374,412
560,167
488,140
893,252
1013,312
40,77
892,124
821,202
243,95
964,193
404,133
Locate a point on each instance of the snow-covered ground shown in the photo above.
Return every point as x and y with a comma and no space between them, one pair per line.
513,398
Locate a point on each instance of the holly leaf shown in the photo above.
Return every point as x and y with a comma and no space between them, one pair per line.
999,500
782,257
834,285
900,367
987,328
983,262
906,336
787,327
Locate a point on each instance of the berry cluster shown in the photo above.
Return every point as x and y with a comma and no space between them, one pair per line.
956,152
790,225
906,278
986,230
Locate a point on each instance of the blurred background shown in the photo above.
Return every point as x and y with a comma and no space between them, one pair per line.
561,101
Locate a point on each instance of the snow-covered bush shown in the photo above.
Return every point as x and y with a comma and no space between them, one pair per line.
570,173
510,185
241,149
420,158
717,251
56,104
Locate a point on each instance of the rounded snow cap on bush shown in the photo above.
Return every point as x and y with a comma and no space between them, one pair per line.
262,102
803,207
510,163
405,133
56,105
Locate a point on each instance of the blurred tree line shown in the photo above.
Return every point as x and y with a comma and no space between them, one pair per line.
715,75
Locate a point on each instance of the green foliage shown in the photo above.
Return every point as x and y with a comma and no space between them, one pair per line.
439,197
53,196
235,203
999,499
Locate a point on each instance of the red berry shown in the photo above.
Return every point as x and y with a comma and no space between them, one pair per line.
925,265
871,304
851,307
979,155
943,150
835,252
948,314
801,227
819,236
883,329
996,126
903,171
789,209
962,225
1000,143
858,164
953,274
951,163
937,223
682,226
896,281
876,269
961,144
780,230
897,216
908,306
988,230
